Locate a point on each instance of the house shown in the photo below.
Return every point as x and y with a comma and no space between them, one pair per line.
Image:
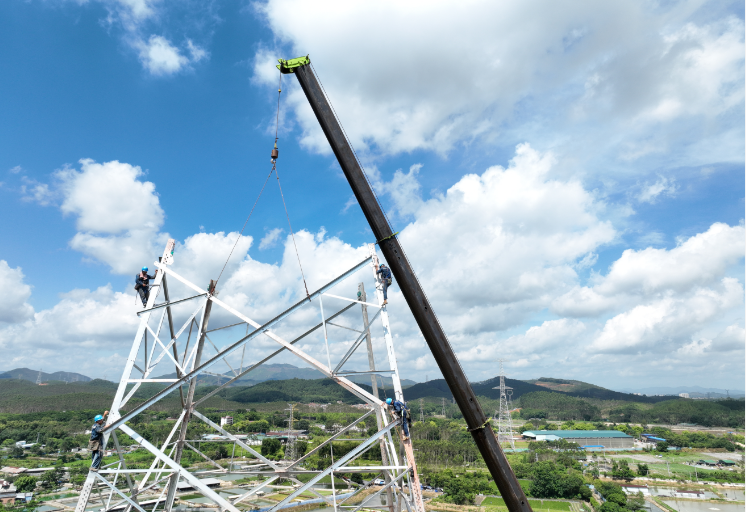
7,493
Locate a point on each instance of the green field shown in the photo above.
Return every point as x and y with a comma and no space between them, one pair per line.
537,505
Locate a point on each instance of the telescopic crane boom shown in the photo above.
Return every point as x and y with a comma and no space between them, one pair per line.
477,422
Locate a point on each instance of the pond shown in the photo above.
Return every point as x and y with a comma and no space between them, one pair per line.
703,506
668,491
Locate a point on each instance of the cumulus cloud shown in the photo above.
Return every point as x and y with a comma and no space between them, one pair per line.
270,239
663,324
573,67
499,254
160,57
80,331
118,216
13,305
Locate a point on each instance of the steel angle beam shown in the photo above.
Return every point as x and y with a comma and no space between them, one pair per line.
237,440
169,304
256,489
263,329
332,438
341,462
356,343
196,483
273,354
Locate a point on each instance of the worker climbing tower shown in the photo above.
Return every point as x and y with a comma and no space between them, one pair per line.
187,328
504,421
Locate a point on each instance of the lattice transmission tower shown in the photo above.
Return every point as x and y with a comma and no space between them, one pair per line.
504,421
180,332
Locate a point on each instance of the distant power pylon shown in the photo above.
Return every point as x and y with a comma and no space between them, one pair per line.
444,407
504,421
422,410
290,451
38,379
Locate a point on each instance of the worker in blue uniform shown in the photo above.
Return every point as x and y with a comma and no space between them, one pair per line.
96,444
386,280
401,410
142,284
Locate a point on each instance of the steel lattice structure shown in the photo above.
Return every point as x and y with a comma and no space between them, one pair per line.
504,421
123,488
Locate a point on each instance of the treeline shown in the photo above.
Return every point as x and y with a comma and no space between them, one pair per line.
721,413
293,390
549,405
557,406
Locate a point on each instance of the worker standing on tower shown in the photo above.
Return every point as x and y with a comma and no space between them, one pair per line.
97,441
401,410
142,284
386,280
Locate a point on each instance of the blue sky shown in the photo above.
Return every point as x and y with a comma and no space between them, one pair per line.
566,177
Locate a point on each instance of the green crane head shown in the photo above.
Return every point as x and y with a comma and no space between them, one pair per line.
288,66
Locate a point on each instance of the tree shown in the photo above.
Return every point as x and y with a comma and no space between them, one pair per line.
270,446
25,483
50,479
662,446
528,426
610,506
642,469
16,452
622,471
636,501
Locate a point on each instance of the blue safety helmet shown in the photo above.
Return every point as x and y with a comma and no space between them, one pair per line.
98,418
383,265
388,401
145,269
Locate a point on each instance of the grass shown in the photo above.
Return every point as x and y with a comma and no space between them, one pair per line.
535,504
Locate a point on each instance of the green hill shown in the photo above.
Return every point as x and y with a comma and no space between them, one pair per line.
439,389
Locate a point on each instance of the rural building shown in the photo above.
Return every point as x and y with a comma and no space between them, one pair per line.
683,493
651,438
608,439
634,489
212,483
727,462
707,462
226,420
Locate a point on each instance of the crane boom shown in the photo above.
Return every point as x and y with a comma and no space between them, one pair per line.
477,422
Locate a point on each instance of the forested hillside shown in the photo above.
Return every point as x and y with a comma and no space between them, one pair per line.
559,406
438,388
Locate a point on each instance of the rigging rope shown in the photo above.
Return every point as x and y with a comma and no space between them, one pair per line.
244,227
277,175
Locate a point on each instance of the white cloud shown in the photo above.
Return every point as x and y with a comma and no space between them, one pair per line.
732,337
15,170
495,252
270,239
13,305
663,324
576,68
700,261
651,193
160,57
84,327
118,216
32,190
